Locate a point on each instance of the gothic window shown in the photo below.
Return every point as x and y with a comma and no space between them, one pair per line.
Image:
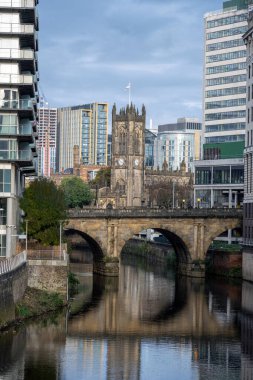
121,187
122,142
137,136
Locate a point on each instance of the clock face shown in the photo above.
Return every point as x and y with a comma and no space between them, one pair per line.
121,162
136,162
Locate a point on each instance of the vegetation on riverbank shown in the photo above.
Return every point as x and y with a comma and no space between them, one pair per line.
37,302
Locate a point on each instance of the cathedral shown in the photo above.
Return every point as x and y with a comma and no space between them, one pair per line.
128,154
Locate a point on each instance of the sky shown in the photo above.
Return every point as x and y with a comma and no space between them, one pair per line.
90,50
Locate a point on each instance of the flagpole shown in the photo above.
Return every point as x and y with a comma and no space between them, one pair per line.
128,87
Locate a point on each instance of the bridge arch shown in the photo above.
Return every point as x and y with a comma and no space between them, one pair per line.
218,229
177,241
95,247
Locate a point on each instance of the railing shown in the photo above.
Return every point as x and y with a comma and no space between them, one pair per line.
22,130
46,255
17,3
12,263
26,104
91,213
16,53
17,78
17,28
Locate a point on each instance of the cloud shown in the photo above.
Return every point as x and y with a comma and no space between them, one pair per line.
90,51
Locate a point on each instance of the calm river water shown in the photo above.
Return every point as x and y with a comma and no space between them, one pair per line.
148,324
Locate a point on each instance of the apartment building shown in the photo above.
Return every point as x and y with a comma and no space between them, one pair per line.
18,111
46,144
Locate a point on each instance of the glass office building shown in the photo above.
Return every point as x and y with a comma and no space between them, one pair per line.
87,127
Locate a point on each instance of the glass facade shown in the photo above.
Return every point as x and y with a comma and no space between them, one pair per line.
226,68
149,148
226,92
226,33
226,80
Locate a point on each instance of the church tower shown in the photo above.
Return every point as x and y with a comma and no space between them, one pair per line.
128,153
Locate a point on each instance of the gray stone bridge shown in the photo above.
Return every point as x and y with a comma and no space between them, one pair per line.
190,231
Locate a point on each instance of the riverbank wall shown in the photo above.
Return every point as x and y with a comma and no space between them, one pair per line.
12,288
153,251
225,263
49,275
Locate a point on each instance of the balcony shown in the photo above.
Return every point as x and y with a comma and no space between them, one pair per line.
24,54
17,29
18,3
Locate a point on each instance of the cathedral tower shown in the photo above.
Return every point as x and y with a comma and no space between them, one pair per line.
128,152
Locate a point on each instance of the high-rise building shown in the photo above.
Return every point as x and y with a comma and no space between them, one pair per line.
248,161
150,138
178,142
18,105
46,144
85,126
225,77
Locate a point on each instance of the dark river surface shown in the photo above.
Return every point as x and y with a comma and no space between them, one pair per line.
148,324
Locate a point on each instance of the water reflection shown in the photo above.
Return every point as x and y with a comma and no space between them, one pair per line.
145,325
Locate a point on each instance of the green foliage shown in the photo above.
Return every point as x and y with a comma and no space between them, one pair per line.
23,311
73,283
103,178
44,206
76,192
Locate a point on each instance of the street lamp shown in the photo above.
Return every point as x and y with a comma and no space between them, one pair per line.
61,221
183,204
173,194
26,234
198,202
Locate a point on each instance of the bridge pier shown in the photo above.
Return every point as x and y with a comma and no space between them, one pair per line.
193,269
109,266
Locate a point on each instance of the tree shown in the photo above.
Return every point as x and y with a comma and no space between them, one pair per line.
102,179
44,206
76,192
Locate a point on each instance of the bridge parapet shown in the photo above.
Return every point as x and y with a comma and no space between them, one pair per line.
205,213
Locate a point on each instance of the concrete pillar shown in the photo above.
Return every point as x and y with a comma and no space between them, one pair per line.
230,198
211,198
229,236
10,229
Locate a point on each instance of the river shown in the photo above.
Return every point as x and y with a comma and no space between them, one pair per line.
147,325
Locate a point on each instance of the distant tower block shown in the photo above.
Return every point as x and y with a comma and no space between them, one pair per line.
76,160
128,151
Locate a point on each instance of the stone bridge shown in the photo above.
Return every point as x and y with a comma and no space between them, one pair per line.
190,231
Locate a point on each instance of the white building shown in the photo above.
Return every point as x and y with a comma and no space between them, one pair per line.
176,143
225,74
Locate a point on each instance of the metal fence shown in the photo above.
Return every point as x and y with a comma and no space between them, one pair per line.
46,255
12,263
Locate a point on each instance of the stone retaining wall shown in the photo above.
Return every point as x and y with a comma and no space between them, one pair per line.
12,289
49,275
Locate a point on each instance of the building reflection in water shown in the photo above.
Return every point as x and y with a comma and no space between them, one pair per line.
141,326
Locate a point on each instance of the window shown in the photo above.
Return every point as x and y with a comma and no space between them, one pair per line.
221,175
226,33
225,115
225,45
227,92
203,176
227,20
5,181
2,245
225,127
226,68
226,56
226,80
226,103
8,149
